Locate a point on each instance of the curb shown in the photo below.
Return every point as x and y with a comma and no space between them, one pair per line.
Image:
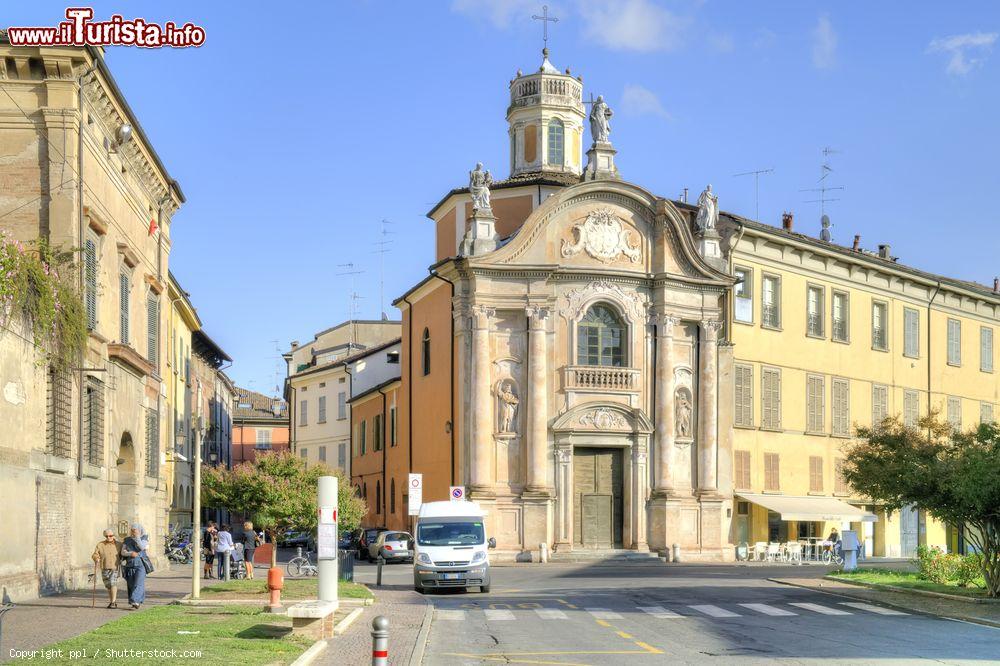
987,622
310,655
186,600
417,655
907,590
345,624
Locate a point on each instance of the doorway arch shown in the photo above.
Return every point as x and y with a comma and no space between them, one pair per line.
127,488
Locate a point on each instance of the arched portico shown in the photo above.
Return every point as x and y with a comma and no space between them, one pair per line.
127,488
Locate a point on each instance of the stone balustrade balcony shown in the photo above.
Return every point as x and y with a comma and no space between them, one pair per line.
600,378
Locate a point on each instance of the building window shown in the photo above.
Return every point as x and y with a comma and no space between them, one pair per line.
955,412
770,399
341,406
880,326
840,486
986,349
556,141
986,412
392,496
954,342
342,457
364,436
124,287
743,295
911,333
814,311
377,432
840,316
600,338
392,426
322,454
815,474
303,453
263,439
741,477
153,329
93,421
303,412
426,348
321,408
90,279
772,477
841,408
744,395
770,305
152,443
378,496
880,403
58,413
815,407
911,408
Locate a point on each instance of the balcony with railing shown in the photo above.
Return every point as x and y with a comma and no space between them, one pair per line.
769,315
601,378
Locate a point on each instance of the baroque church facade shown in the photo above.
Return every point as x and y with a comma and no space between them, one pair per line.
576,321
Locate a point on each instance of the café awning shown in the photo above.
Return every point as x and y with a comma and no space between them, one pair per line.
811,508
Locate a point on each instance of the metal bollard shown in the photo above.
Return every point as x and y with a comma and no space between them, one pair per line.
298,551
225,566
380,641
378,575
543,553
676,552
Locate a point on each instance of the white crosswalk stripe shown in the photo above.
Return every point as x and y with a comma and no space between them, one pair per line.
498,614
816,608
604,614
550,614
659,612
457,615
768,610
714,611
860,605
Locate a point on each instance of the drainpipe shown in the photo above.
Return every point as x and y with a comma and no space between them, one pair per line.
385,455
451,378
83,267
409,407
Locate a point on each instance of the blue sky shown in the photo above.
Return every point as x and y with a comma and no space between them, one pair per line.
298,127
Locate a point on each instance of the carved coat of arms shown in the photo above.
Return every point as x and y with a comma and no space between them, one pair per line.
603,419
603,236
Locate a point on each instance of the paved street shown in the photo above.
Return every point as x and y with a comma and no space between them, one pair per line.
614,614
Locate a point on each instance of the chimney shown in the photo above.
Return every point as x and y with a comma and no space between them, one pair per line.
857,243
885,251
786,221
295,344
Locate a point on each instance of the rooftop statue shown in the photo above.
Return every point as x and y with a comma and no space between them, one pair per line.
708,211
600,120
479,187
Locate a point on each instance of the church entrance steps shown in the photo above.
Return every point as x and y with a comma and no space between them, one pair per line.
604,555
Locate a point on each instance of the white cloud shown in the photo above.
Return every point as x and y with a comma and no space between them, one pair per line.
639,101
631,25
824,44
966,52
722,42
498,12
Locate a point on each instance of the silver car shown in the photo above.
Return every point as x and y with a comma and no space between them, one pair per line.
392,547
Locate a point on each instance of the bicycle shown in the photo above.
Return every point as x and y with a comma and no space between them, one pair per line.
301,565
832,555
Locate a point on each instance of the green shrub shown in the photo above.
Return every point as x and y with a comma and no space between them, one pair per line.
937,566
969,569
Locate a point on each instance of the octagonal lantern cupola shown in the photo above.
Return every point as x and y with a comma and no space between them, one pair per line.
545,119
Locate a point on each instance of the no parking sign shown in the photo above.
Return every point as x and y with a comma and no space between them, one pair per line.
457,493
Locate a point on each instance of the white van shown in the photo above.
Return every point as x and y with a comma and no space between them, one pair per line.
451,547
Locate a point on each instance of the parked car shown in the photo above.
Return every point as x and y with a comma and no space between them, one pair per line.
366,539
346,541
292,539
392,547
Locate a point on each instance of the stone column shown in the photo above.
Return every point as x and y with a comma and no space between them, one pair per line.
639,486
664,409
708,406
538,413
564,490
482,398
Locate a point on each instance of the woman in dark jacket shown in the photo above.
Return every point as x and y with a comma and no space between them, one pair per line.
133,551
249,540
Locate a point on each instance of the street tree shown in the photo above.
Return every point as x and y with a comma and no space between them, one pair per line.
278,492
953,475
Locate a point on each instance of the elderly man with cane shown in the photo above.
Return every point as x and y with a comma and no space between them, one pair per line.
107,557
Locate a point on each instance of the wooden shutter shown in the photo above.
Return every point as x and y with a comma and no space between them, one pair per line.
986,349
742,471
771,399
880,403
955,412
153,329
911,408
124,284
90,282
954,342
841,407
911,333
152,443
986,412
815,407
771,472
815,474
744,395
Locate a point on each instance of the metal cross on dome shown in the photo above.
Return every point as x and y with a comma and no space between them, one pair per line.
545,19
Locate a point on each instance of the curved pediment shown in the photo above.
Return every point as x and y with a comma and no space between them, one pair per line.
603,416
606,226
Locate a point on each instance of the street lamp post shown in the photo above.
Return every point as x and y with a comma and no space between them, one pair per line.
196,517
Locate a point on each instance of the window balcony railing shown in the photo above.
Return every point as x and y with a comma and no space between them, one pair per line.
840,329
600,378
769,315
814,324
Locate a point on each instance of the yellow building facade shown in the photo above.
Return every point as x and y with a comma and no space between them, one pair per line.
182,321
827,338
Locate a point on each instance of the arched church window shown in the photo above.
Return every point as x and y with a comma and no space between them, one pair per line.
556,141
600,338
426,351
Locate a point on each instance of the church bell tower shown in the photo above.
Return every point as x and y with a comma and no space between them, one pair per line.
545,119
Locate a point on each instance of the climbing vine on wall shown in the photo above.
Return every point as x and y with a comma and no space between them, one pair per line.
37,288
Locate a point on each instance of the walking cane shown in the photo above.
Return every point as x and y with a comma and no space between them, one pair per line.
93,595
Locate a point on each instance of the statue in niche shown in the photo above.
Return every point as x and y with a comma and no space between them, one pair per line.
683,408
507,401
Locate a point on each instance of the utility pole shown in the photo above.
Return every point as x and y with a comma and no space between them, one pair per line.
196,517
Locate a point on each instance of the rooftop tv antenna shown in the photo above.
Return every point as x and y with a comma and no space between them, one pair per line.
382,247
352,299
825,170
545,19
756,187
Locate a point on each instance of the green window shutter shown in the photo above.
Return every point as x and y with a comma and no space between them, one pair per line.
152,330
90,282
124,285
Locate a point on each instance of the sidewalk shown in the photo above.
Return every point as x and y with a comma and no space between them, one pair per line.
34,624
988,614
404,608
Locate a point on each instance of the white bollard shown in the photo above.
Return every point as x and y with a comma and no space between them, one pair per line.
543,553
676,552
380,641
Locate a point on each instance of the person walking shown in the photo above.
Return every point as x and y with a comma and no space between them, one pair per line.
133,552
223,546
208,541
250,540
108,557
